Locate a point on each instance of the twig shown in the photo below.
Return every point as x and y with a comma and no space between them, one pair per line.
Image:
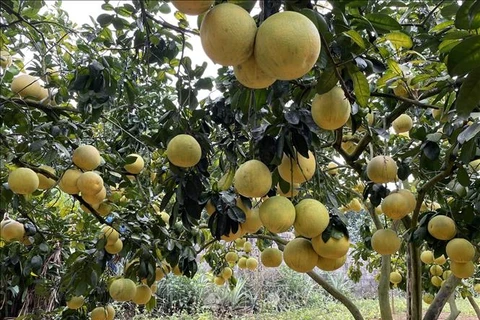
170,26
422,24
337,73
412,101
428,185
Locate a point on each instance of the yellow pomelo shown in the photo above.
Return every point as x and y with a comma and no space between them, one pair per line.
428,298
331,110
299,255
401,90
427,257
462,270
298,169
439,115
251,263
277,214
242,263
402,124
75,302
110,312
460,250
349,146
446,274
410,198
86,157
355,205
476,287
371,119
428,205
395,277
247,247
104,209
395,206
154,288
287,45
227,273
11,230
252,223
271,257
85,209
115,247
219,281
99,313
89,183
210,208
231,257
382,169
192,7
333,248
253,179
232,236
110,234
378,210
311,218
137,166
289,193
436,270
5,59
45,183
251,75
326,264
23,181
332,168
184,151
26,86
143,293
239,243
228,34
176,270
436,281
475,164
122,289
442,227
385,241
96,198
440,260
159,274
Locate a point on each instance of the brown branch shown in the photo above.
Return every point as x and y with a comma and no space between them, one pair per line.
170,26
39,105
412,101
422,24
337,73
428,185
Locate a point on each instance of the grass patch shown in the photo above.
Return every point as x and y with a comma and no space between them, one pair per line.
330,310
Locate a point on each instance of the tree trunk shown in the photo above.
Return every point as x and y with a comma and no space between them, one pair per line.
474,305
383,288
454,312
441,298
414,283
318,279
338,295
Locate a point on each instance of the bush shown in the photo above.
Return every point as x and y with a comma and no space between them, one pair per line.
179,294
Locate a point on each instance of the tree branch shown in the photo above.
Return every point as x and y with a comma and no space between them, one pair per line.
170,26
412,101
428,185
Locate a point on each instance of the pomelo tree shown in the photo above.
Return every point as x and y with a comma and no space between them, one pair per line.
123,161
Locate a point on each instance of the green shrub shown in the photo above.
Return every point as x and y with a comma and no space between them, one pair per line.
179,294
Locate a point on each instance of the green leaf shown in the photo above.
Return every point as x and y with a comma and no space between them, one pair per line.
399,40
464,57
383,22
360,86
469,94
462,177
356,37
104,19
395,67
319,22
326,81
468,16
